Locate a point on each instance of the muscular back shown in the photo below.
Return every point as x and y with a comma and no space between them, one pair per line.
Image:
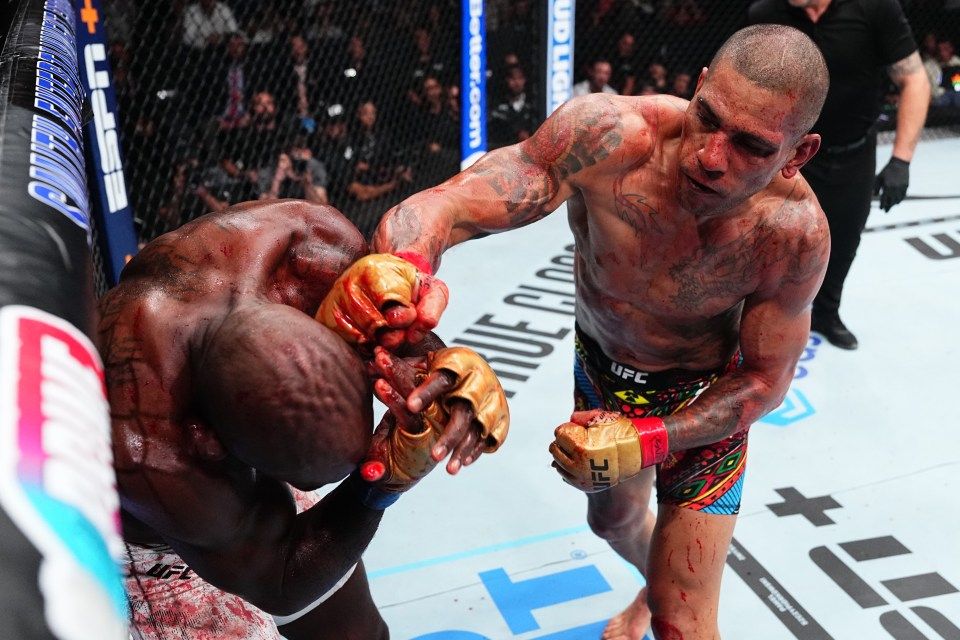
154,325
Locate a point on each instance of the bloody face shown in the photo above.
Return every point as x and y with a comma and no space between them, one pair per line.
736,137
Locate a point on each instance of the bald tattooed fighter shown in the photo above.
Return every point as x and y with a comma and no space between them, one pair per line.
231,397
699,248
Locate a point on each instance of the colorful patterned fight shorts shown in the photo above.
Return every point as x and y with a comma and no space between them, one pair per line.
168,601
708,478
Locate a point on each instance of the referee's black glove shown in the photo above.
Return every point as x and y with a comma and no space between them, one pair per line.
891,183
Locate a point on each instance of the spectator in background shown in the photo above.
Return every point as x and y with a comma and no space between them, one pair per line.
624,64
377,173
452,94
422,64
498,64
183,203
598,77
264,28
256,145
657,77
351,81
332,147
324,31
435,139
947,79
928,46
206,23
842,174
295,174
514,117
234,86
683,14
298,84
646,89
946,54
682,85
516,34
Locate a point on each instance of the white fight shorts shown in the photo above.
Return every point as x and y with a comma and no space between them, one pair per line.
168,601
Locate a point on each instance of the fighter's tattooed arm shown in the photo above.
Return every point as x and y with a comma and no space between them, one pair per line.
509,187
774,329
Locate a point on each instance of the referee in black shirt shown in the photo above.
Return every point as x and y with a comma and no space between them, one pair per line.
858,38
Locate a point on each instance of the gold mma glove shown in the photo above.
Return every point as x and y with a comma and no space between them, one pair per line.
476,384
607,450
354,306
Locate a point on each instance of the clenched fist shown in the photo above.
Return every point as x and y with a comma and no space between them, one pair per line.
383,299
599,449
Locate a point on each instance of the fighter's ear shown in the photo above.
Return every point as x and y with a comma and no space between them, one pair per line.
804,150
701,79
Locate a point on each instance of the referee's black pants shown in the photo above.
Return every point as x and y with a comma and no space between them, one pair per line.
843,183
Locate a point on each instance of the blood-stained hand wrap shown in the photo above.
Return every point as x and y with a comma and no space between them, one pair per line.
398,461
609,449
354,308
399,455
478,385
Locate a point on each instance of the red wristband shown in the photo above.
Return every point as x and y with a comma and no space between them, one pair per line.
653,440
416,260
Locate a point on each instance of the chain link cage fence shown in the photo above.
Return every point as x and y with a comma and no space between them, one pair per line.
221,101
659,46
357,103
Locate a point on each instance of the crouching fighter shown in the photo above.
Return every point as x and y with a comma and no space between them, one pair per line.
231,399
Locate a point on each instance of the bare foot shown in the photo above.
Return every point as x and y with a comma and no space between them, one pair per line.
632,622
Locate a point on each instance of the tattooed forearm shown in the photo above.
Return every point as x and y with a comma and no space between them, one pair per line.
905,67
729,406
402,228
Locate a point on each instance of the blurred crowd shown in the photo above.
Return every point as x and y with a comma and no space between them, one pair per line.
357,104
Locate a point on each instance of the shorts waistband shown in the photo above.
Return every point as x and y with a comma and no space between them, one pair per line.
593,355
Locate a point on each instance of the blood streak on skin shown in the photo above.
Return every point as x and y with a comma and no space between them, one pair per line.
664,630
683,596
689,564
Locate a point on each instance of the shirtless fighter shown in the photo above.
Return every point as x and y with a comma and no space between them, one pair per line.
229,402
699,248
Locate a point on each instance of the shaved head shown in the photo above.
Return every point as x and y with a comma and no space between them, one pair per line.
285,395
783,60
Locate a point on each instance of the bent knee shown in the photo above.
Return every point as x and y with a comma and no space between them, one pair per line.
617,524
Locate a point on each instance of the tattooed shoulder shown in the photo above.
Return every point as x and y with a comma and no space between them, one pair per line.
581,133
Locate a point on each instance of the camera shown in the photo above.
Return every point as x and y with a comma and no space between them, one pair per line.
299,166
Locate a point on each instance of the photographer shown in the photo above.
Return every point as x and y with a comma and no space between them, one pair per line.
295,174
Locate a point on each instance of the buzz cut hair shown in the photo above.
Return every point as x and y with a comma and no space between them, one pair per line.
783,60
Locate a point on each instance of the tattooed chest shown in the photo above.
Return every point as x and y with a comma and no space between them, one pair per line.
668,279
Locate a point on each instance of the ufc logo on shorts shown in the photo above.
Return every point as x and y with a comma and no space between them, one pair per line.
167,571
627,373
600,481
